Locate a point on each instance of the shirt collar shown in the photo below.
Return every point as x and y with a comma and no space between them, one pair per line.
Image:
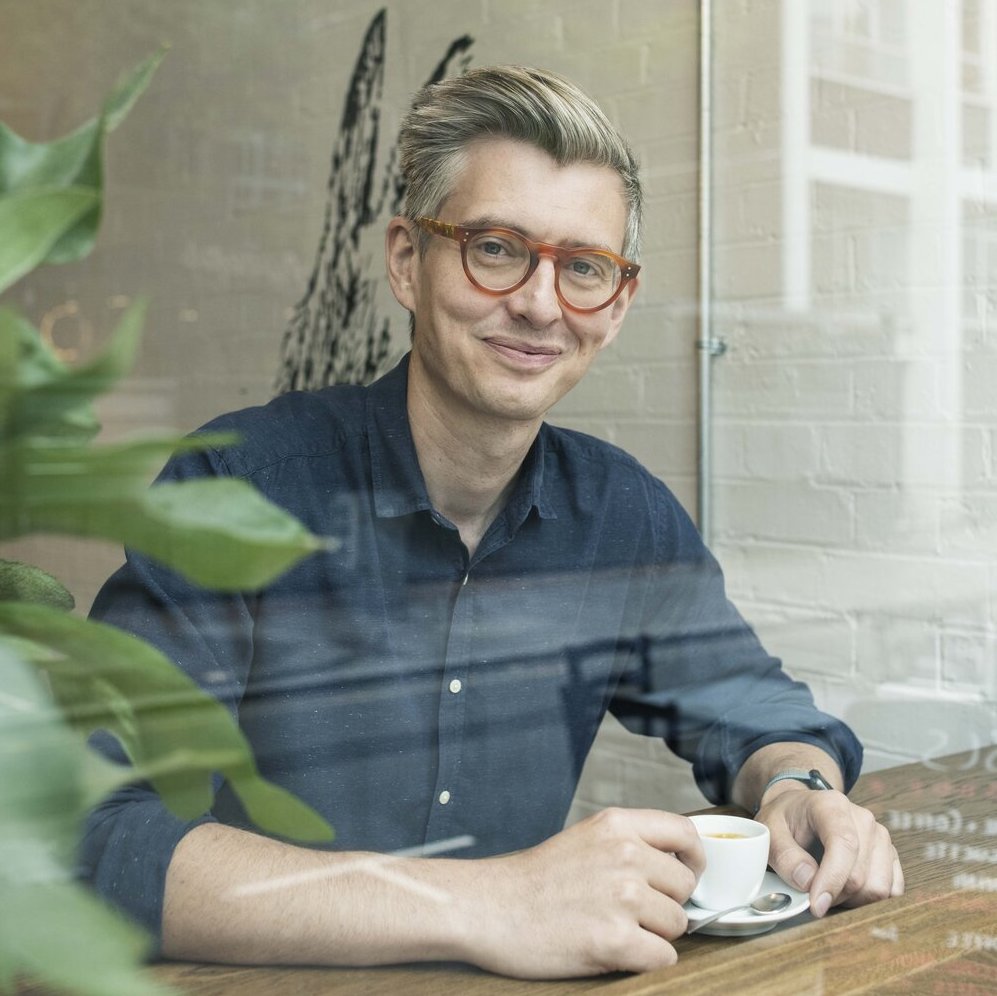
530,491
397,481
398,485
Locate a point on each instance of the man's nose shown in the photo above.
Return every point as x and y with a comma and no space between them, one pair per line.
537,299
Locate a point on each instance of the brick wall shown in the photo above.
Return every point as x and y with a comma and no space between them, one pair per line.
855,488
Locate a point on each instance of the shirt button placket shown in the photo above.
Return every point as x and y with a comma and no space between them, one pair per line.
455,687
452,705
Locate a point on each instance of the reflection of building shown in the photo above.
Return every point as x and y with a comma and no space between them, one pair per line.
856,236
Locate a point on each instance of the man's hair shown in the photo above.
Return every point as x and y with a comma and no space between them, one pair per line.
515,102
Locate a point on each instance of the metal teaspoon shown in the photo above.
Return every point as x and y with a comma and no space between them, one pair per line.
766,905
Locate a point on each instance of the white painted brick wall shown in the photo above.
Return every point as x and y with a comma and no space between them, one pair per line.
856,498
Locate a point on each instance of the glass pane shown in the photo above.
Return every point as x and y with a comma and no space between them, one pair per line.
855,422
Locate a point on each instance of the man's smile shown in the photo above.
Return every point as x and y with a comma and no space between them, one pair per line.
524,353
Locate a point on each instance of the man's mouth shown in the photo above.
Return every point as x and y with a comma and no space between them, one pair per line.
525,348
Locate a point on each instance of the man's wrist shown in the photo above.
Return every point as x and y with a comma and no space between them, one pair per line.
809,780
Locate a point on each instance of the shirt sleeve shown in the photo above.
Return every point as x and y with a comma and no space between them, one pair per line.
129,839
701,678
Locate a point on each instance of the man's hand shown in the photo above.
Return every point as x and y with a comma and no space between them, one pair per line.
603,895
859,863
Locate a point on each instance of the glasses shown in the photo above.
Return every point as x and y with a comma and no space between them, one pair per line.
500,261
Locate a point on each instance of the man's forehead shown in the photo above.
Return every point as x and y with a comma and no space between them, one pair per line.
513,184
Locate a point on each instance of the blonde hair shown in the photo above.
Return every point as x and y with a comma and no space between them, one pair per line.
524,104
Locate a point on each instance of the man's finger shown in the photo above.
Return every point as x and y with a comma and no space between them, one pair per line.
842,851
791,862
645,952
877,875
899,882
672,877
669,833
661,915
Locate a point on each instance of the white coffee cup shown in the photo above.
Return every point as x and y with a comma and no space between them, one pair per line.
737,853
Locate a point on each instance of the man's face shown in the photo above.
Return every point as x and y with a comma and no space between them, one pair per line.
509,357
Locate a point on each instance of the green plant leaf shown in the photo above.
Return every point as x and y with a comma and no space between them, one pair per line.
64,161
130,87
73,162
26,364
40,798
34,222
32,170
24,650
219,532
26,165
47,398
11,328
27,583
51,192
84,947
61,487
174,732
178,737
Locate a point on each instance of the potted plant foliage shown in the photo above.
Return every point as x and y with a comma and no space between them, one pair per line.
62,676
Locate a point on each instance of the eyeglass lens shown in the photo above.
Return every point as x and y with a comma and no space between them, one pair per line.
499,260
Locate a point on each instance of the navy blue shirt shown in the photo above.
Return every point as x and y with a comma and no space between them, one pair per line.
415,696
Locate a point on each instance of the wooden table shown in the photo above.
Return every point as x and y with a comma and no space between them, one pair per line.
941,937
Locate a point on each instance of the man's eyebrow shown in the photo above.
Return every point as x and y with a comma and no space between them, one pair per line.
494,221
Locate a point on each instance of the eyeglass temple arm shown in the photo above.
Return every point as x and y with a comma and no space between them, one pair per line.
440,227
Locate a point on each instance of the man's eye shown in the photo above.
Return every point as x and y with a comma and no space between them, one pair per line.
589,268
494,250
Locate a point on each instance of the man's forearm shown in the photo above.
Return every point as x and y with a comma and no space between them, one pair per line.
232,896
603,895
773,759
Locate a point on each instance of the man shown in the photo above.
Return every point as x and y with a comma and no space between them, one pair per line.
437,682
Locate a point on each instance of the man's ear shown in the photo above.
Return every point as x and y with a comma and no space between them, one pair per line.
401,257
618,311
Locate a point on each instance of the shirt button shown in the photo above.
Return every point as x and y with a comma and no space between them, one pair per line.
444,797
455,686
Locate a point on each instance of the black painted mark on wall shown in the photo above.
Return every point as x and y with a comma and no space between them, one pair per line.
336,334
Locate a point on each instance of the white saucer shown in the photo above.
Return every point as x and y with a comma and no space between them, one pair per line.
745,922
